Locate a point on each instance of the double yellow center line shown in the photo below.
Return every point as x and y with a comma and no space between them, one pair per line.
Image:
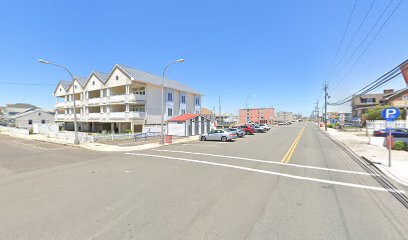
289,154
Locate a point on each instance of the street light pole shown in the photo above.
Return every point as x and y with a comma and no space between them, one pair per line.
246,106
76,140
162,93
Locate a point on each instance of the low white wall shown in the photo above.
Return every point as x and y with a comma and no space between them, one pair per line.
12,130
380,141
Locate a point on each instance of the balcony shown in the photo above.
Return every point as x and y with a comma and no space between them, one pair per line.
117,98
59,117
94,101
94,116
60,104
117,115
137,115
136,98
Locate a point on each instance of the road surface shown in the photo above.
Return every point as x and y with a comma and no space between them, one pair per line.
289,183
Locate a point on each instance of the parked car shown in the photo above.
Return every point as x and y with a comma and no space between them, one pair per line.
265,126
283,123
395,132
218,135
248,129
259,129
237,131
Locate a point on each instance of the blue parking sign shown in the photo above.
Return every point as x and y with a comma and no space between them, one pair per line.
390,114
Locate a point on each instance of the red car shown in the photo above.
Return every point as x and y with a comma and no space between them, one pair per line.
248,129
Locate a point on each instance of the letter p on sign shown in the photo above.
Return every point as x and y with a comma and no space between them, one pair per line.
390,114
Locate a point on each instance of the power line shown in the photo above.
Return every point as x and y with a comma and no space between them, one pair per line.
343,36
356,33
27,84
385,78
371,42
368,34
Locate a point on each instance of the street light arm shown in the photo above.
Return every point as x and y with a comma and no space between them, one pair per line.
66,69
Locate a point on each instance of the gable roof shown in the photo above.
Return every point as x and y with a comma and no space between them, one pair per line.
146,77
185,117
65,84
20,105
81,80
396,94
99,75
31,111
102,76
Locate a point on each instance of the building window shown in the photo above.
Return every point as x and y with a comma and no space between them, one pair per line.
42,121
367,100
183,99
139,91
183,111
93,82
197,101
30,122
117,77
169,97
39,114
169,112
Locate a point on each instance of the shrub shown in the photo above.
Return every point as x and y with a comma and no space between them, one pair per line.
30,131
400,145
128,131
330,125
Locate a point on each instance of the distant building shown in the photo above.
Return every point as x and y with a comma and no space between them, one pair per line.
206,111
257,115
284,117
344,117
398,99
13,109
28,118
361,104
226,119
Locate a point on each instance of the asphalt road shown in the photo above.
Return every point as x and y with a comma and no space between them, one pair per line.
289,183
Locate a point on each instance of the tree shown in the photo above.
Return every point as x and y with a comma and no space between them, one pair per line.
374,113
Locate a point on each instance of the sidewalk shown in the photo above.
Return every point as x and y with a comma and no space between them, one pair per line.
97,146
357,142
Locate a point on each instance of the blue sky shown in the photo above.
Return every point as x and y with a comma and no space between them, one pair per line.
282,51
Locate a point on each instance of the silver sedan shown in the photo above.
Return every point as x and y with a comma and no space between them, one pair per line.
218,135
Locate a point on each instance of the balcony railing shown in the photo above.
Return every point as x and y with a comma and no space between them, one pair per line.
104,117
60,104
94,101
136,98
117,98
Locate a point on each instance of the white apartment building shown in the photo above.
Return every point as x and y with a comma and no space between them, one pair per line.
122,100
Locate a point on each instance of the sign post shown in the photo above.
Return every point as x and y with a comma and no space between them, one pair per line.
390,114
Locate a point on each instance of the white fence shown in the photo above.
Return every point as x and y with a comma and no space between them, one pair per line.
45,128
373,125
13,130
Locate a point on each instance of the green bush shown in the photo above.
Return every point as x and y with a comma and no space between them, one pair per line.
128,131
400,145
30,131
330,125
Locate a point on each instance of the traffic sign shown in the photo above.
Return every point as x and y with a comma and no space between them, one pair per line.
390,114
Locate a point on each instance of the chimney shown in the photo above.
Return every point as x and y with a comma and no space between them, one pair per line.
388,91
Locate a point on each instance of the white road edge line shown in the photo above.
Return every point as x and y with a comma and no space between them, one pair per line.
269,162
274,173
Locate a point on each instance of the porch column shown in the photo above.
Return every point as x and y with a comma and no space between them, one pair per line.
119,127
127,107
93,126
112,127
127,89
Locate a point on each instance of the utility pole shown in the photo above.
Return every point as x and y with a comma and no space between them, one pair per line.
325,105
219,110
316,111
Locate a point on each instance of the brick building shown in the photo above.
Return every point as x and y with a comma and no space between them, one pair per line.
257,115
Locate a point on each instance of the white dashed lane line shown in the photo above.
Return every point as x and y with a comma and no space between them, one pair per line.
273,173
268,162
